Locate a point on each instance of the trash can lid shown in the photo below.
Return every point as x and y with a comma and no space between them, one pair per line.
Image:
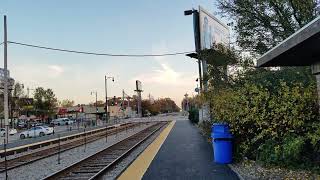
220,128
221,135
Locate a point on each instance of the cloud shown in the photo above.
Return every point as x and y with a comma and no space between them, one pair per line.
55,71
165,75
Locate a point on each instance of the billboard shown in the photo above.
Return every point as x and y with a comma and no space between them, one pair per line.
212,30
138,85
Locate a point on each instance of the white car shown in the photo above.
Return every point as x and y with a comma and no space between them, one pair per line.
33,132
49,130
11,131
62,121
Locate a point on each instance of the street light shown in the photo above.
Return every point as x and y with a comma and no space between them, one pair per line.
95,92
188,12
106,89
106,108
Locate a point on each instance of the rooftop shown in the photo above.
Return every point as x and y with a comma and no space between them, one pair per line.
300,49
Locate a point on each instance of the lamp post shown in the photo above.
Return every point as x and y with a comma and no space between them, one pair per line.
96,93
106,89
106,108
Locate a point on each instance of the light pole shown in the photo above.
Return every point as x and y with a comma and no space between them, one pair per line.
106,89
96,93
106,108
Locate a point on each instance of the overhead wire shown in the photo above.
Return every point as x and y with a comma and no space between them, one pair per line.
99,54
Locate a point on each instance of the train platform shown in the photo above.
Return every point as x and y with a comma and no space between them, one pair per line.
179,152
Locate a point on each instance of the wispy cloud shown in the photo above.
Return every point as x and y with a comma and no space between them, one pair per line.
165,75
55,71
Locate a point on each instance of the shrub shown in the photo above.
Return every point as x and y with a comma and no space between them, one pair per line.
289,151
279,123
194,115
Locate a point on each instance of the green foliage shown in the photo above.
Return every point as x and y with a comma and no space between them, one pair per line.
194,115
262,24
45,102
273,113
288,152
66,103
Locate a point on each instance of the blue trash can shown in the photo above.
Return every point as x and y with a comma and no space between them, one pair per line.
222,143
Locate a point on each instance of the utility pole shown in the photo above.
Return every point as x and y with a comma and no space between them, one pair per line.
6,108
123,102
106,91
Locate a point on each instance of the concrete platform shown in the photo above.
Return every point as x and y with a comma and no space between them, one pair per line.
180,152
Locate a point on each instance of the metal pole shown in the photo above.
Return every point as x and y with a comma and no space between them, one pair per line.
107,116
96,108
196,29
59,149
85,139
106,89
6,113
5,158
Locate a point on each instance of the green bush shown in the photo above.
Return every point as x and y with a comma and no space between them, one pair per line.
288,152
280,123
194,115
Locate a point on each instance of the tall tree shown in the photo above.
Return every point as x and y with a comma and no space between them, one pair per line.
262,24
18,90
66,103
45,102
15,99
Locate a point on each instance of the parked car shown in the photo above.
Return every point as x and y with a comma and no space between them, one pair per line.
62,121
33,124
49,130
33,132
11,132
22,125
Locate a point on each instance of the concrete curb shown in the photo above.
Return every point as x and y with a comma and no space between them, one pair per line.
235,171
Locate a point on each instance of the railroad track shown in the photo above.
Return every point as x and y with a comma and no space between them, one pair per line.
55,149
98,164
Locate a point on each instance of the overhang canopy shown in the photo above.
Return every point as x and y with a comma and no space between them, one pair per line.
300,49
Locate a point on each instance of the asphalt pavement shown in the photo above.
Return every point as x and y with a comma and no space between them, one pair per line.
186,154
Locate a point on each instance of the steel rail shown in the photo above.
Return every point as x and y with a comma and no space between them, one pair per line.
98,164
51,151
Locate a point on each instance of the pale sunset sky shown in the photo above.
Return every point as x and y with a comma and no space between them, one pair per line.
118,27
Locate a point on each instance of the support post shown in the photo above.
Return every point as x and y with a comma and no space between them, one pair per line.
6,108
5,158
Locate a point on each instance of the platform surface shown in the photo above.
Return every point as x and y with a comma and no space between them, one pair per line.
185,154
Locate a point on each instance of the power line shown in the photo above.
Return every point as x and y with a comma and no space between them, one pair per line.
99,54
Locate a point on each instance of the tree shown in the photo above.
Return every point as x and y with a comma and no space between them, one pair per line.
260,25
66,103
18,90
45,102
15,99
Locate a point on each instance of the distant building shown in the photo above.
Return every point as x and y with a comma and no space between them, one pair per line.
90,111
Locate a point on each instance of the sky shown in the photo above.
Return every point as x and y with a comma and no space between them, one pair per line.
118,27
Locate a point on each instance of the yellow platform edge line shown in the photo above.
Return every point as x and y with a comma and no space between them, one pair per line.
140,165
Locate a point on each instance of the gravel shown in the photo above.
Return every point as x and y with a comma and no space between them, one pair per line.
250,170
42,168
120,167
